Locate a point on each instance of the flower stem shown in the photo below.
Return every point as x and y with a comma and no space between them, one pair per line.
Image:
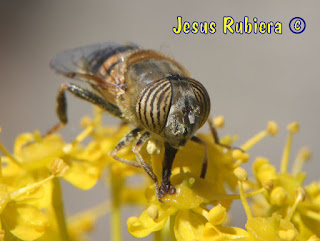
8,154
116,187
157,236
300,196
172,222
59,210
235,196
2,232
293,128
254,140
0,172
286,155
244,200
23,190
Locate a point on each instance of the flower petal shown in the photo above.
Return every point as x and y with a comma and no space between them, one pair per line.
24,221
268,228
38,154
189,226
146,223
220,233
82,175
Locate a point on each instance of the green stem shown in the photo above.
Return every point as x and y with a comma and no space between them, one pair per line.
116,188
59,210
157,236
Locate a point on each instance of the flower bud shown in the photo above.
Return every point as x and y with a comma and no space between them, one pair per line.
217,215
293,127
278,196
153,212
219,121
288,235
272,128
237,154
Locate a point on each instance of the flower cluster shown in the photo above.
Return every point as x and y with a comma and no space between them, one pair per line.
278,205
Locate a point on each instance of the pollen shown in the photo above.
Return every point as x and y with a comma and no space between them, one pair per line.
154,147
191,181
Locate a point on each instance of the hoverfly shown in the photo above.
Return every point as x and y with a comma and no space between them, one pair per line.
142,87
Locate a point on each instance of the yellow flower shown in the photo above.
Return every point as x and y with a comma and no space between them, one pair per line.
183,208
31,207
257,228
23,197
86,164
188,209
288,198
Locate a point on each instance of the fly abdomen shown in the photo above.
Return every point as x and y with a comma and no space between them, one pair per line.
153,105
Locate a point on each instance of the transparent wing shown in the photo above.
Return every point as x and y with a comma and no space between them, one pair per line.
82,63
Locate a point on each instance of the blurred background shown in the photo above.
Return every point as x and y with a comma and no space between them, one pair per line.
251,78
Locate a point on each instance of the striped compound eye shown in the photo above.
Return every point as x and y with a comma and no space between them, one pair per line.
185,100
154,104
203,99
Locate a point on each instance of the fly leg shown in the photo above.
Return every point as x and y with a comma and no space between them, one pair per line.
148,169
205,158
124,142
216,137
61,104
166,187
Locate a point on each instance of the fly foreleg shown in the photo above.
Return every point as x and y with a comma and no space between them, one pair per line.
166,186
148,169
124,142
205,158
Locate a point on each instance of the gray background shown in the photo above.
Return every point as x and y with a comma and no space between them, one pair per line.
250,78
